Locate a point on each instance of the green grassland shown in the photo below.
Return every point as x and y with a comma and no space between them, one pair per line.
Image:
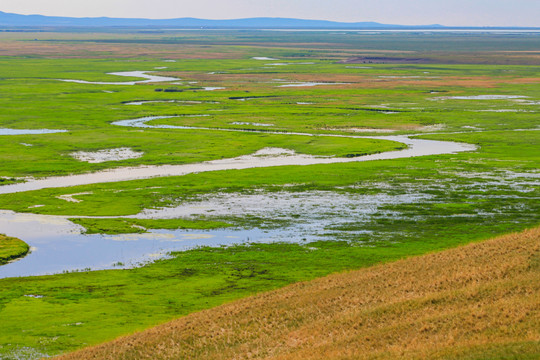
123,226
465,197
11,249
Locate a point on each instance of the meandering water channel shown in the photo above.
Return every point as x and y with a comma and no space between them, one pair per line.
415,147
58,245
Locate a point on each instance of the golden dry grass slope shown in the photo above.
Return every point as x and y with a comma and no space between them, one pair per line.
479,301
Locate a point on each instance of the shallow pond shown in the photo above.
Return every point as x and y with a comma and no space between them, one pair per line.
141,74
263,58
4,131
310,84
481,97
58,245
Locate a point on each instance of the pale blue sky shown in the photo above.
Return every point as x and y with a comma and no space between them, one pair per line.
406,12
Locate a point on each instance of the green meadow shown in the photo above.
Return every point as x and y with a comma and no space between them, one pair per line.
11,249
456,198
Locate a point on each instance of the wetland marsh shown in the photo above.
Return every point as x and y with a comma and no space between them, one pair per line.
147,200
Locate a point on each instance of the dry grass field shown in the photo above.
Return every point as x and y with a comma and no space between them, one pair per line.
479,301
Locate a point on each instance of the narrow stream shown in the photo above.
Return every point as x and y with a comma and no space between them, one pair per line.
416,147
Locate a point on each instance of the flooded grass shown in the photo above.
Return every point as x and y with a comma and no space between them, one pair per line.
100,156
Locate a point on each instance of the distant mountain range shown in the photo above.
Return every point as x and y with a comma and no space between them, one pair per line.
16,20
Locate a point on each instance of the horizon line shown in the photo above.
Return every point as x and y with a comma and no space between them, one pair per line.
382,25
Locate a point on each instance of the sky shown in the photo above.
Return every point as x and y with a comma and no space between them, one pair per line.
403,12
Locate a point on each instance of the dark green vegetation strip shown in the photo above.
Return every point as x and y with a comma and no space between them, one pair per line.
128,226
11,249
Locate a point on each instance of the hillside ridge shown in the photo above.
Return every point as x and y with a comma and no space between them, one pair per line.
478,301
11,19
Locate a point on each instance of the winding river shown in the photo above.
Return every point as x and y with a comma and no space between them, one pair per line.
58,245
415,147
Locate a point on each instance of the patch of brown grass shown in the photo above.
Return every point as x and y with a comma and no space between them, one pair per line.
479,299
348,80
53,47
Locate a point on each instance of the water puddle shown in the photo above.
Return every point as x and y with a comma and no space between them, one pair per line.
4,131
323,208
142,122
189,102
481,97
501,110
364,130
100,156
251,124
70,197
140,74
263,58
285,64
310,84
528,102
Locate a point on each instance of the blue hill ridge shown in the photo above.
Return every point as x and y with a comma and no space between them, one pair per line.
16,20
